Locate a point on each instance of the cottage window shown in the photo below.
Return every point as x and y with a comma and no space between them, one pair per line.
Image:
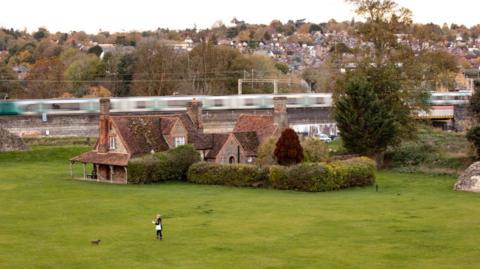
113,142
179,140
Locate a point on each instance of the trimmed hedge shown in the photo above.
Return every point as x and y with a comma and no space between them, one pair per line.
240,175
303,177
164,166
311,177
314,177
355,172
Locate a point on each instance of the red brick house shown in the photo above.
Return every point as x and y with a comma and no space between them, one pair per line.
124,137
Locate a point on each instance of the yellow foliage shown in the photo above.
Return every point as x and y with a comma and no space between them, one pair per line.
98,91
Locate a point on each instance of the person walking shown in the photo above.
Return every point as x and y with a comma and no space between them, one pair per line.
158,226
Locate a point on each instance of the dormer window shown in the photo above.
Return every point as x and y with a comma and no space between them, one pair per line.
179,140
113,142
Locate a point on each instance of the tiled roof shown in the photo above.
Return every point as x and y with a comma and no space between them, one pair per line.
141,134
263,126
248,141
102,158
217,140
195,136
167,124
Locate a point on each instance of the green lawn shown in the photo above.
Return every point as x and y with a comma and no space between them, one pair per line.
47,221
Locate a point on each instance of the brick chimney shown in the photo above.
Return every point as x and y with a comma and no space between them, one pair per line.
104,128
194,111
280,118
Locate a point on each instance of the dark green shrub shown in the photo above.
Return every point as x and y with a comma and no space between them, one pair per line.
181,158
410,153
163,166
473,135
240,175
141,170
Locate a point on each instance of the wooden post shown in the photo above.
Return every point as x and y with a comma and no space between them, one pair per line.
84,171
97,172
240,81
111,173
126,175
71,169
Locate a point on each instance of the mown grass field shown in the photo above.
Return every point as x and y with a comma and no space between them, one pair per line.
47,220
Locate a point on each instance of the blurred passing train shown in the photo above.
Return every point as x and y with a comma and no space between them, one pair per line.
178,103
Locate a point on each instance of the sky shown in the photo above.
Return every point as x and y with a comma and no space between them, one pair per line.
121,15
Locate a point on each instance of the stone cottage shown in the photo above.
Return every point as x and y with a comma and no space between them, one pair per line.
124,137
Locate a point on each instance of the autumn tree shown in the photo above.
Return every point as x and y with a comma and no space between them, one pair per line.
320,79
383,19
45,79
389,68
159,69
215,69
9,84
85,71
439,69
288,150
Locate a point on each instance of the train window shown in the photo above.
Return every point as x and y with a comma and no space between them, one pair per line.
249,102
319,100
176,103
65,106
292,101
218,102
141,104
32,108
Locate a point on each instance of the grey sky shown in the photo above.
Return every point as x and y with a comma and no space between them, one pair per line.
92,15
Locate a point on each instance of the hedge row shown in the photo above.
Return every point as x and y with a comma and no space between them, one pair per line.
312,177
240,175
164,166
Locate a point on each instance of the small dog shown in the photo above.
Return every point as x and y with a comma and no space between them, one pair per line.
95,242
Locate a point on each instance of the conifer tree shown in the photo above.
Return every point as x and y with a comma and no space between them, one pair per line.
288,150
367,126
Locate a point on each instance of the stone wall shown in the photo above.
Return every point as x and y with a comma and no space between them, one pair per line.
10,142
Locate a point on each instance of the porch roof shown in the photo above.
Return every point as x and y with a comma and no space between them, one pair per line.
118,159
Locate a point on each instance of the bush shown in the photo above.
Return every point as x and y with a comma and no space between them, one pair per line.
315,150
354,172
302,177
473,135
141,170
288,150
312,177
181,158
265,156
240,175
164,166
315,177
411,153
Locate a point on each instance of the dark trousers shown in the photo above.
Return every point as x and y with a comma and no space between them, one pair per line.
159,234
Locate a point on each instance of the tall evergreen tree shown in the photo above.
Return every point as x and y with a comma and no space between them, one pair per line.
367,126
